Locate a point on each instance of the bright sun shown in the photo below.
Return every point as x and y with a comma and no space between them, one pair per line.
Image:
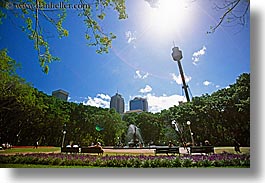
169,16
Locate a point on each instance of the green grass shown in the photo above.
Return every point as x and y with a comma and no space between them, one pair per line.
30,150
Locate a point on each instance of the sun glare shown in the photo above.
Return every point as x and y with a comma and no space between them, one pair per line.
170,16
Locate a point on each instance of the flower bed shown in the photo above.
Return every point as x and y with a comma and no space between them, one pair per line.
141,161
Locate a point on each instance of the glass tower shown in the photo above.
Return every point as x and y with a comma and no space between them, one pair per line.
139,103
60,94
117,103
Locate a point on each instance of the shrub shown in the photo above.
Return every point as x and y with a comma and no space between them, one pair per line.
216,160
186,162
176,162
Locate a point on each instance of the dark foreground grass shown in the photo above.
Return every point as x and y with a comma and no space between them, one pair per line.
40,166
140,161
56,166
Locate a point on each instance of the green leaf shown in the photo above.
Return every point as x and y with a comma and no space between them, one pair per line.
102,16
87,36
65,32
29,23
46,69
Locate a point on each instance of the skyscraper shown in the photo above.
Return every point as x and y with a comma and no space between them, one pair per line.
139,103
117,103
60,94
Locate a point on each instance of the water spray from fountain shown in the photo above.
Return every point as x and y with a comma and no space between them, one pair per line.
134,137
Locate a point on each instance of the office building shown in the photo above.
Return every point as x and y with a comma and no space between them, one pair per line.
117,103
139,103
138,111
60,94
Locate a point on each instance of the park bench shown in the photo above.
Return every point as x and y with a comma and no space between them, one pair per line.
202,149
70,149
98,150
167,150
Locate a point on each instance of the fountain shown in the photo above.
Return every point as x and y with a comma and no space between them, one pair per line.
134,137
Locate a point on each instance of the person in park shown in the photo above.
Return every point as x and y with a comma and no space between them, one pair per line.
237,146
207,143
170,144
36,145
98,145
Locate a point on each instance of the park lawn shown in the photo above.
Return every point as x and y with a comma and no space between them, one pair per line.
31,150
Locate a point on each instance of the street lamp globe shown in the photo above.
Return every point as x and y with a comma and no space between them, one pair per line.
176,54
188,123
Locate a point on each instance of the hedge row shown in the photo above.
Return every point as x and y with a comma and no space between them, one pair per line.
215,160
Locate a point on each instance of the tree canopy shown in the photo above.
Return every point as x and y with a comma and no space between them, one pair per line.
28,115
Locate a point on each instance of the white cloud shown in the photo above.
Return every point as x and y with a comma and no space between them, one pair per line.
178,79
196,55
103,96
146,89
140,75
207,83
130,37
158,103
153,3
101,100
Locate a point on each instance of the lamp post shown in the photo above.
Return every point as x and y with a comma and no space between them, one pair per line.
179,131
118,143
191,134
177,56
174,124
64,134
222,111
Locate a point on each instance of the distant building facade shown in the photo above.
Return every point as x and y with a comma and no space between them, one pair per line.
139,103
60,94
138,111
117,103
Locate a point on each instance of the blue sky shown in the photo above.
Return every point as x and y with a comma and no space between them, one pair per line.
139,62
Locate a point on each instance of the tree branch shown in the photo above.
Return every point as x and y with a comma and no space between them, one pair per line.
36,28
225,14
